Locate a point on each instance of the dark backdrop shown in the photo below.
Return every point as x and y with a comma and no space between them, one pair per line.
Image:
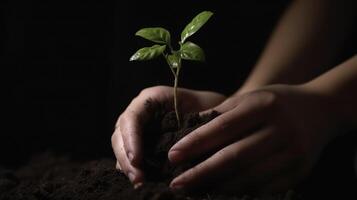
67,74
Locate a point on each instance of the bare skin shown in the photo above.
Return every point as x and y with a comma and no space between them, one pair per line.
270,138
126,140
304,44
272,130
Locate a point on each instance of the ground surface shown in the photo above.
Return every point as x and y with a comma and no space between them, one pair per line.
56,177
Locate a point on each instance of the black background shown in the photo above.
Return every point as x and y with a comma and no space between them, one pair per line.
66,74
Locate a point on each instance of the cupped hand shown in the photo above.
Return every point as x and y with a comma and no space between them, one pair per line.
265,140
126,139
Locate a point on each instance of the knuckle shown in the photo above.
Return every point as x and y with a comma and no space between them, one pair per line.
271,98
268,98
145,92
117,124
114,139
264,99
153,90
127,119
121,119
222,123
160,88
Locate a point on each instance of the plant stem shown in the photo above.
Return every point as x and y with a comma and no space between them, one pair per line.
176,75
175,96
171,67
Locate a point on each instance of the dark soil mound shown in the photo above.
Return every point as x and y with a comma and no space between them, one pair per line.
59,178
161,137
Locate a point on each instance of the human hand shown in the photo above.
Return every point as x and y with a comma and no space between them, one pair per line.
126,139
265,140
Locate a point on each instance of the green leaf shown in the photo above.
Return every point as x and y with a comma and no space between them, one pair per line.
155,34
191,51
195,25
148,53
174,60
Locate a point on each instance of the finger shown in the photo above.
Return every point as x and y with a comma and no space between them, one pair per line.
225,106
192,100
140,110
117,166
226,161
143,107
117,144
134,118
230,126
204,100
131,129
135,175
119,150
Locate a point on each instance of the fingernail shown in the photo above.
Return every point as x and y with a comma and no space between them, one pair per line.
175,156
130,156
131,176
137,185
176,186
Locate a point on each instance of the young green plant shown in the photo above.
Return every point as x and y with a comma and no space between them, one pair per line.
188,50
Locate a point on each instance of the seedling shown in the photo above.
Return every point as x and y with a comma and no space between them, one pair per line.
188,50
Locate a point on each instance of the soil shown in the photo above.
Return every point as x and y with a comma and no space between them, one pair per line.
56,177
59,178
156,162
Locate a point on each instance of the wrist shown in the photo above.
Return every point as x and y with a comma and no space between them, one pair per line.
248,87
338,85
334,107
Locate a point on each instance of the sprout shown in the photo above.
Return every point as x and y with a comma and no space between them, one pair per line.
188,50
